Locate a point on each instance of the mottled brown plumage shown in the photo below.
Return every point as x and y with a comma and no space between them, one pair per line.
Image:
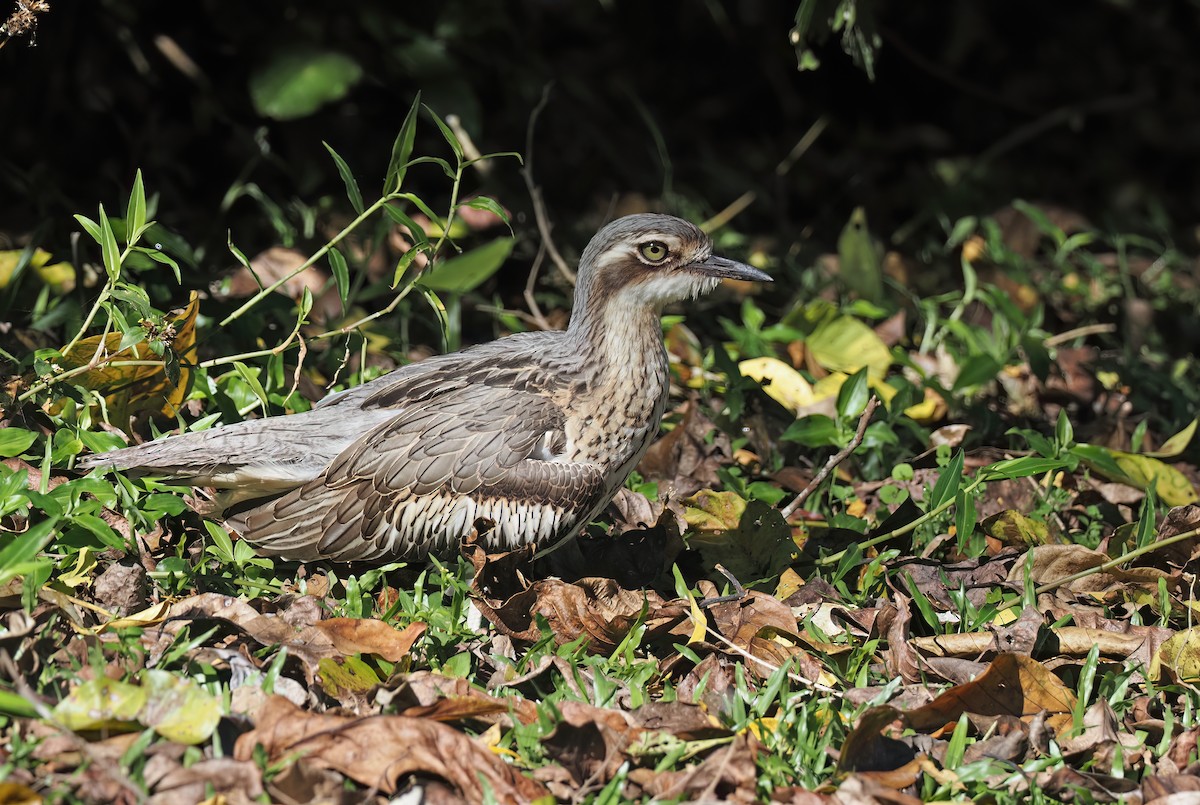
534,432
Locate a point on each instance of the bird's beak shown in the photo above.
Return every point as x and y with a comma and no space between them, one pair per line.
729,269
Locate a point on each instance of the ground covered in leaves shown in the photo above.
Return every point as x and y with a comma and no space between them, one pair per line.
823,583
922,521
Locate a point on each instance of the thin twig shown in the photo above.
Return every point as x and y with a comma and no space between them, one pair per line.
535,192
534,309
743,201
1080,332
736,649
739,592
834,460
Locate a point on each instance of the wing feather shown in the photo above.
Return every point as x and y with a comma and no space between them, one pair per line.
404,486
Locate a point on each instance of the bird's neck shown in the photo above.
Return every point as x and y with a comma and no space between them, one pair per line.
620,341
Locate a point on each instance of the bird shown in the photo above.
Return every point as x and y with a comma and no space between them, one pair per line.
533,433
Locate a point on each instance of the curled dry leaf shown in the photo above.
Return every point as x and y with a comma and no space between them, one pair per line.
765,628
158,388
1047,564
369,636
381,750
686,459
336,637
1012,685
597,608
728,774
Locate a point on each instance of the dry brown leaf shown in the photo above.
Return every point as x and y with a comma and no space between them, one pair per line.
369,636
1054,563
237,782
590,742
1012,685
868,748
765,628
728,775
380,750
598,608
686,459
272,265
310,644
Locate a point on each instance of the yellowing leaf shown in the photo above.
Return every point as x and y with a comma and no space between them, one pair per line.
1170,484
781,382
147,617
699,621
1180,656
129,390
81,573
101,703
708,510
175,707
845,344
10,258
59,276
1176,444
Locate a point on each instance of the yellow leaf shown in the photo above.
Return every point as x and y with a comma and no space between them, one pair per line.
1176,444
129,390
1171,485
147,617
845,344
1180,655
10,258
699,621
781,382
81,573
59,276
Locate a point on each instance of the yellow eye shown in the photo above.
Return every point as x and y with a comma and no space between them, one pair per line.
654,251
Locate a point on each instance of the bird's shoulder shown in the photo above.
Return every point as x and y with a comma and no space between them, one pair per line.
530,362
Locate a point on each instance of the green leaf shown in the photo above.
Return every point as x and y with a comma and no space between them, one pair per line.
251,378
948,483
15,441
297,82
858,259
963,229
845,344
977,370
158,257
108,247
465,272
853,395
492,206
352,191
16,556
1022,467
816,430
341,275
402,150
415,233
450,136
135,211
90,226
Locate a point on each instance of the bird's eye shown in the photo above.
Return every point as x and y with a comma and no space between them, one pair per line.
654,251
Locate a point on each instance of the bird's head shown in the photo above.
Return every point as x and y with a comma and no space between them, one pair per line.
646,261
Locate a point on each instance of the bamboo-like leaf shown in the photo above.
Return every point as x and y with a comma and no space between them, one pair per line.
352,191
341,275
401,150
135,211
947,484
450,136
108,248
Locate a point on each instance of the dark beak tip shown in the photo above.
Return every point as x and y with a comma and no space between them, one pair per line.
731,269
